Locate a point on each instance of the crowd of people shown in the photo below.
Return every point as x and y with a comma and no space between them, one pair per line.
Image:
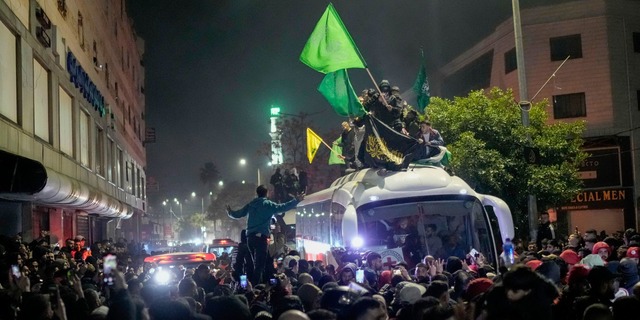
586,276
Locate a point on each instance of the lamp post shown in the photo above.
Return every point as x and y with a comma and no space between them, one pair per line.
243,162
524,106
193,195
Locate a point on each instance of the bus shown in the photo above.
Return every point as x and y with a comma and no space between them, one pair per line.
403,215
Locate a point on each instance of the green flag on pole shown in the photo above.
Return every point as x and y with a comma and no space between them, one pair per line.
337,150
421,86
330,46
337,89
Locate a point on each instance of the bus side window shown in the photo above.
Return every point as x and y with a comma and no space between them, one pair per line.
335,229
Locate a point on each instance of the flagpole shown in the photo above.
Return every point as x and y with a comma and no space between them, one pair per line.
377,88
329,147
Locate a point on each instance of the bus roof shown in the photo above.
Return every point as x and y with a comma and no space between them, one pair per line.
370,185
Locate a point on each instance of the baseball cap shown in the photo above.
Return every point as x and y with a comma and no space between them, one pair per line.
79,238
570,257
633,252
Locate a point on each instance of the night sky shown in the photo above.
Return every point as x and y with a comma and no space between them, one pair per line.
213,69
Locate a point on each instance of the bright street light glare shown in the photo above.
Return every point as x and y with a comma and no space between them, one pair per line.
220,183
193,194
243,162
243,181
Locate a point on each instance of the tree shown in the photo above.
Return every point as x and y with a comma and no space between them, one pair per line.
197,221
486,137
236,195
209,175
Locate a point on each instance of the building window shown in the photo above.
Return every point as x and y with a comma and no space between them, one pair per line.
62,8
561,47
80,30
138,187
636,42
118,168
84,139
41,108
569,106
110,160
100,168
8,74
95,54
510,61
106,75
66,122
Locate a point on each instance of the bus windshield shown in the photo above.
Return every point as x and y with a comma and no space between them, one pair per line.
440,228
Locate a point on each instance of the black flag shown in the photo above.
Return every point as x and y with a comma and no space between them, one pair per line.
385,147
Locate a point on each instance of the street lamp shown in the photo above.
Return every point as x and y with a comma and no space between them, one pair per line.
193,195
220,183
243,163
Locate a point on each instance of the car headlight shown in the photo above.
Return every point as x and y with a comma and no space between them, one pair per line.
162,277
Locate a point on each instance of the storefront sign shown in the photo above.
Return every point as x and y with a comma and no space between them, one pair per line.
598,199
82,81
601,169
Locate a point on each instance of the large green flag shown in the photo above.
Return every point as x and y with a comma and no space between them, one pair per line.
421,86
337,150
330,46
337,89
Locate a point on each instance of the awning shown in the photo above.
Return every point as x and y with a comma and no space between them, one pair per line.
23,179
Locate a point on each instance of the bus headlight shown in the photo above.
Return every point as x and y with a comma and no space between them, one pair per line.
357,242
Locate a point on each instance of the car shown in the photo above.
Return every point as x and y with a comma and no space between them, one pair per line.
163,268
187,259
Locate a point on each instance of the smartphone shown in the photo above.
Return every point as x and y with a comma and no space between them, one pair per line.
243,281
273,281
15,270
360,276
110,263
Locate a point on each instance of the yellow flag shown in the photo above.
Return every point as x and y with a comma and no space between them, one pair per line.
313,143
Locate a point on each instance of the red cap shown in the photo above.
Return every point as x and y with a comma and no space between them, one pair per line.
570,257
600,245
534,264
633,252
478,286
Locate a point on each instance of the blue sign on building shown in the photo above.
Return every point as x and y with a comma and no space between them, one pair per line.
81,80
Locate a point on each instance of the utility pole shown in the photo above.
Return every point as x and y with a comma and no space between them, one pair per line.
525,106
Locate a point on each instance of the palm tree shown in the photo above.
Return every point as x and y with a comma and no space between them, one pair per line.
209,175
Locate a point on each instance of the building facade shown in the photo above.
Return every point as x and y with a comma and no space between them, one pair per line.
72,120
599,83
